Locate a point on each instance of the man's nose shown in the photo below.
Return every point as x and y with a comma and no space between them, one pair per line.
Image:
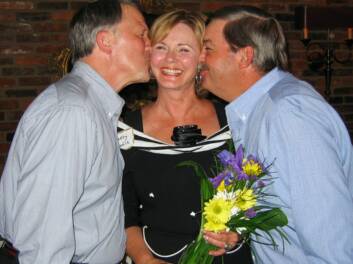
203,55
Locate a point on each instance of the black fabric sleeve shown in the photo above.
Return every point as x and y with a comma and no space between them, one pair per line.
131,201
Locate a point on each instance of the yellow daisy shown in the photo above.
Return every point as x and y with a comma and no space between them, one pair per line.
217,213
252,168
245,199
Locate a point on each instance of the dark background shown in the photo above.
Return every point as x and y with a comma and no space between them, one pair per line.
33,32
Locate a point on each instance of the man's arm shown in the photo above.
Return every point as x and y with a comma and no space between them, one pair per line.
307,145
57,158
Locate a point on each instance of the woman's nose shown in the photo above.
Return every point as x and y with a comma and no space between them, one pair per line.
170,55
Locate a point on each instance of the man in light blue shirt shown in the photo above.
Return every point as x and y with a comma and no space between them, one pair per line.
60,192
282,119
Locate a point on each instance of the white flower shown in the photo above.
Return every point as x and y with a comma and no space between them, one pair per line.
225,195
234,210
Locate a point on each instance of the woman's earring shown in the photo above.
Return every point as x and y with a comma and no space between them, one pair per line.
152,77
198,77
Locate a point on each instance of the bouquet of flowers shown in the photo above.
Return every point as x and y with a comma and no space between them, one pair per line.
230,201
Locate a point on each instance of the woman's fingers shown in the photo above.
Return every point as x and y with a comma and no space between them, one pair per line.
225,241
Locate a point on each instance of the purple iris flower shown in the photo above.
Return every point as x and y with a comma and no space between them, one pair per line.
229,177
216,181
226,157
226,175
242,175
250,213
234,161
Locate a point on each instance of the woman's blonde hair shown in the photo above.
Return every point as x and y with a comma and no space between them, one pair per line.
163,24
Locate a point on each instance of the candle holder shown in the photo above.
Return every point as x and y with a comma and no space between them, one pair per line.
322,54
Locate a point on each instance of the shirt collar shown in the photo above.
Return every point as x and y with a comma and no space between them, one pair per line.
110,100
242,106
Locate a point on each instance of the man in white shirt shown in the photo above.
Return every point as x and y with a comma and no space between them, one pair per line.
60,192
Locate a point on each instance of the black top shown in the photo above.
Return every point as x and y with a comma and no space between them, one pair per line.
164,199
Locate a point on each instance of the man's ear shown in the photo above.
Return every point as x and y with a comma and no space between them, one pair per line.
104,41
247,56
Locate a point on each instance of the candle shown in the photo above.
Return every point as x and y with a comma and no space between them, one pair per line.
306,33
350,33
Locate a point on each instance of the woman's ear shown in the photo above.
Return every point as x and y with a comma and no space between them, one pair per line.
104,39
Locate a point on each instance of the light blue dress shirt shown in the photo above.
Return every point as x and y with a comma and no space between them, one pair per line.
283,119
60,192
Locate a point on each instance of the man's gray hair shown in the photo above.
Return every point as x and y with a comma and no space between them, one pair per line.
89,20
251,26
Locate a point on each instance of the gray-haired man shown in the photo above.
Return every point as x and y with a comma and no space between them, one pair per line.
60,193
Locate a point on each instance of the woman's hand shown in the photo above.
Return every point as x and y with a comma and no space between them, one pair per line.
224,240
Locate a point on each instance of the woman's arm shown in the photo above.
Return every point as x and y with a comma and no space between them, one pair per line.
136,248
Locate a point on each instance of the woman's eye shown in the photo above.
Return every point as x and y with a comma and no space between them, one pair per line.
208,49
159,47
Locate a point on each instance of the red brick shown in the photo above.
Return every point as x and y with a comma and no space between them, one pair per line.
212,6
8,104
34,81
188,6
62,15
8,126
275,7
24,103
59,38
50,27
33,37
2,136
19,5
15,50
46,5
31,60
51,49
13,115
7,82
9,17
4,147
75,5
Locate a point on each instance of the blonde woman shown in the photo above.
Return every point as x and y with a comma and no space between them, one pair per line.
162,202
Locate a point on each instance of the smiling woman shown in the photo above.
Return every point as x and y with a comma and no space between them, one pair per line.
162,202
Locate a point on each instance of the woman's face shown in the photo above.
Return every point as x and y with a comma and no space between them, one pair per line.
174,59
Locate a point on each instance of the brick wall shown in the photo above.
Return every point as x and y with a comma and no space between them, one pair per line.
32,31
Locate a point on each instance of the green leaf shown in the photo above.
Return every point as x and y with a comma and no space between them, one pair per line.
270,219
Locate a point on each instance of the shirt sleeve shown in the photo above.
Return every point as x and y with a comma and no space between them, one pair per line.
306,142
58,153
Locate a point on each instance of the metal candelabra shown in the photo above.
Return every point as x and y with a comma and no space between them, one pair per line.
322,54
